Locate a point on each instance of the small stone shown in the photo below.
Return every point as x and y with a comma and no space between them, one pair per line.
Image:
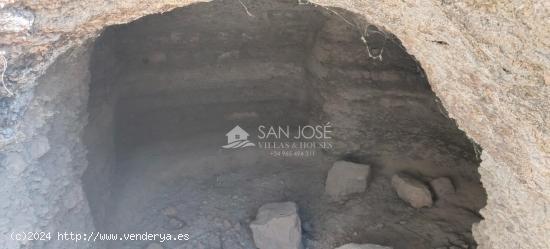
345,178
442,187
412,191
277,226
170,211
234,54
154,246
226,224
237,226
362,246
174,224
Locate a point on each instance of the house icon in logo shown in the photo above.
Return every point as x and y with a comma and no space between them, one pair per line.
236,134
237,138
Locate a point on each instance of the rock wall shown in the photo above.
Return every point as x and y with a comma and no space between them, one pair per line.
206,67
195,58
377,105
41,177
486,60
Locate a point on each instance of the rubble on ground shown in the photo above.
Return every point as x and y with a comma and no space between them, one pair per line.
345,178
277,226
412,191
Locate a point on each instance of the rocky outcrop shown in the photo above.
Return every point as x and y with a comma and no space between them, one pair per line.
486,60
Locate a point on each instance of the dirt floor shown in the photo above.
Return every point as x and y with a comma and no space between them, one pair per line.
189,184
216,194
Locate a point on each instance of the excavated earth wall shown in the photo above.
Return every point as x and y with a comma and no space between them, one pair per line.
488,61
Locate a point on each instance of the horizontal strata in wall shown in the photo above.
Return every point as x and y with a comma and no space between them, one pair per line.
484,59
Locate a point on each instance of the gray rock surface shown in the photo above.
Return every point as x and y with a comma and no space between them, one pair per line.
277,226
345,178
413,191
15,20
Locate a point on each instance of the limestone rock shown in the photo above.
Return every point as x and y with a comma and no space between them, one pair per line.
277,226
412,191
363,246
442,187
345,178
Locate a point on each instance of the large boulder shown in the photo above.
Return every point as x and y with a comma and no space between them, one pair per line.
277,226
413,191
345,178
363,246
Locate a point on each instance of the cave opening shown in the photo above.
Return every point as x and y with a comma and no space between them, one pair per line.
167,90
